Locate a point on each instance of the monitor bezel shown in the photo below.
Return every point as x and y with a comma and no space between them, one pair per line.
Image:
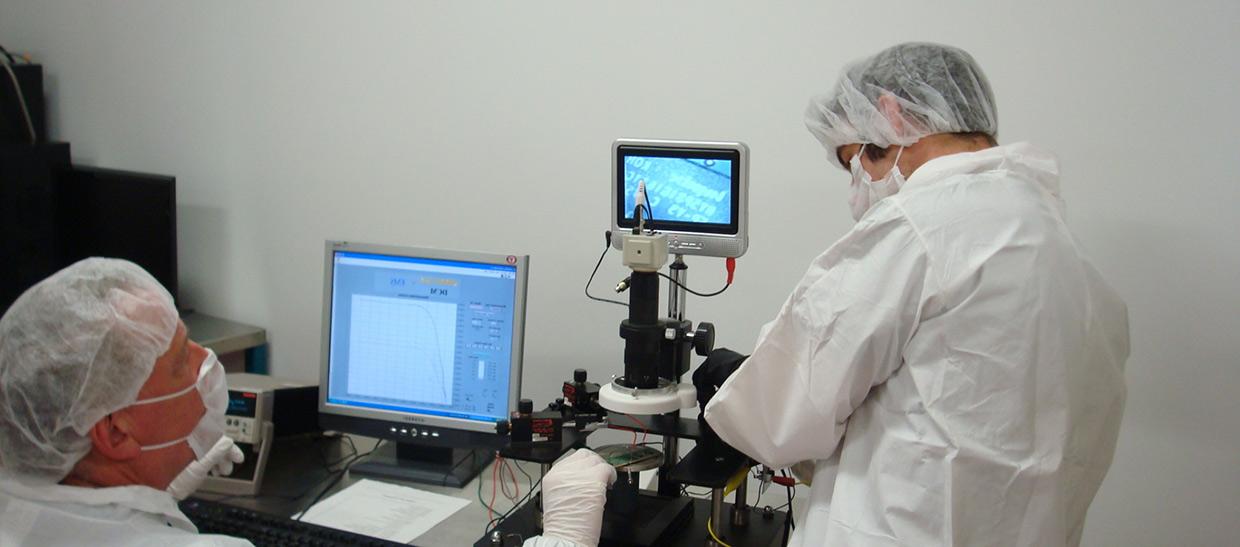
687,238
83,226
521,262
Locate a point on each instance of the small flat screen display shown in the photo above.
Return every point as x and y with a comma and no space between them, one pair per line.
686,190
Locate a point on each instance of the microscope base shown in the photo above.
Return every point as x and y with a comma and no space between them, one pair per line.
651,520
690,532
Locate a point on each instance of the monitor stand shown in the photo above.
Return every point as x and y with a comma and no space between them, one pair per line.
436,465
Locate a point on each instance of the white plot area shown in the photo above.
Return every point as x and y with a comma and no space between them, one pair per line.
402,349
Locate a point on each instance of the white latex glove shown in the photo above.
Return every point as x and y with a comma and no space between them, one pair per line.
574,492
218,461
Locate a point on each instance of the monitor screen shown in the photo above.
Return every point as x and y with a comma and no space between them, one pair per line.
425,334
696,192
680,189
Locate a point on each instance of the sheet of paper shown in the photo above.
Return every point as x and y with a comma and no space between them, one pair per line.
382,510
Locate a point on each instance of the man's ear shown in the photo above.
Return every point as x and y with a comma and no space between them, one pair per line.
111,439
890,108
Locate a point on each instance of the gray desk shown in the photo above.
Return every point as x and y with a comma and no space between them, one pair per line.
295,475
223,336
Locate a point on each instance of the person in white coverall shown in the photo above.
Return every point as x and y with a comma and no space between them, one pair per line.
950,372
108,413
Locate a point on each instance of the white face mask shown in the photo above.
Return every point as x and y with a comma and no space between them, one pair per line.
213,389
867,192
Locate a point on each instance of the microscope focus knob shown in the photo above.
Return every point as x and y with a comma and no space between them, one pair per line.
704,339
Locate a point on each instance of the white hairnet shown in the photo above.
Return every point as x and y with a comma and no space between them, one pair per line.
74,348
939,89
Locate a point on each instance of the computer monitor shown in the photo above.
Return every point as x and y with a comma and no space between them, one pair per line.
421,347
118,214
697,192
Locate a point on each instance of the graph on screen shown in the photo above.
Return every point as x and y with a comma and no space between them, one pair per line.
402,349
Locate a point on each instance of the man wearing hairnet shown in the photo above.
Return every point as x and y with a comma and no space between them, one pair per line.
108,413
950,372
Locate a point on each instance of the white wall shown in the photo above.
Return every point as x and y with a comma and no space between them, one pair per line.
487,126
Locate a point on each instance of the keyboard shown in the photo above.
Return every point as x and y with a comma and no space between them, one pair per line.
263,529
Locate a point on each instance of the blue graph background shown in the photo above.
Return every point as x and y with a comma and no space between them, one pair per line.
681,189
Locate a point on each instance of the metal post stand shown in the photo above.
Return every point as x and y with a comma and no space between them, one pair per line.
740,507
676,299
716,513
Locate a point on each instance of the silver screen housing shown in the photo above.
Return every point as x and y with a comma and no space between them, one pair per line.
688,242
518,332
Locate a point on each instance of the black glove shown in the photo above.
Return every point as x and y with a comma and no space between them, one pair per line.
711,374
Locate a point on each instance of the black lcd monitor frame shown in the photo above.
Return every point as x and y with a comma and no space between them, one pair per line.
625,218
119,214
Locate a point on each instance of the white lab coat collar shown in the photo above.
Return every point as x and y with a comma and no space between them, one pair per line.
1021,158
138,498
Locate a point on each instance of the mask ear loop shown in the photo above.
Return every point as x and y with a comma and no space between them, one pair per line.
898,153
856,159
202,373
149,447
162,398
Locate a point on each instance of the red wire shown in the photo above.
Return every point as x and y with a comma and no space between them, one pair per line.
730,263
503,481
639,423
784,481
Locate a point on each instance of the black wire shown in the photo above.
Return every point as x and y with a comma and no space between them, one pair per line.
691,291
338,475
789,526
528,479
495,521
606,248
327,468
330,465
12,60
351,445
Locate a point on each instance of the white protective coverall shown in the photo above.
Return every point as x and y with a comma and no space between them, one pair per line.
953,366
33,514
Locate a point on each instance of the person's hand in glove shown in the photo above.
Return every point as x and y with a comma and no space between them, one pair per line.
574,492
711,374
716,369
218,461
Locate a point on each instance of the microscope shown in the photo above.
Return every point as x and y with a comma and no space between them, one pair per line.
670,199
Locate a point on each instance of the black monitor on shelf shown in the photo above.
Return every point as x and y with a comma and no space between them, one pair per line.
421,347
118,214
